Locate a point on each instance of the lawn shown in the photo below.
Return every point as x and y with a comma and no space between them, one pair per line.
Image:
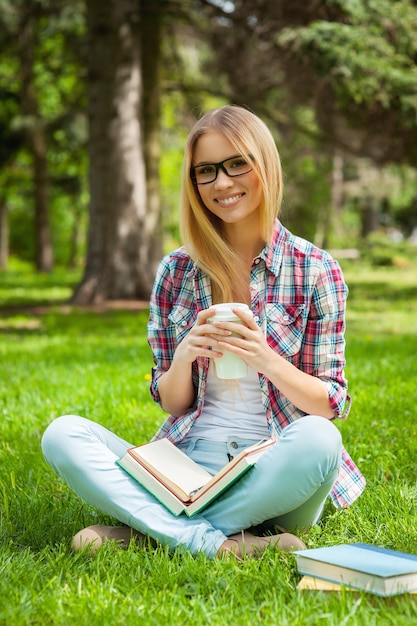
56,360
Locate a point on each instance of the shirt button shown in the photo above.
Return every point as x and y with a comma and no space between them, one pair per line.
234,445
183,323
285,318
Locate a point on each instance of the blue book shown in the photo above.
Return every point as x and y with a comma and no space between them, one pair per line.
361,566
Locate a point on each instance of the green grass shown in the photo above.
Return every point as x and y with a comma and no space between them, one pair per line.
97,365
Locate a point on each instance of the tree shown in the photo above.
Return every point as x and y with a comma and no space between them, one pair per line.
10,142
354,62
361,64
40,95
4,234
122,239
19,34
35,134
151,45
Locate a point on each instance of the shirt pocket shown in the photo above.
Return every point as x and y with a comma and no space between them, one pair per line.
285,324
183,319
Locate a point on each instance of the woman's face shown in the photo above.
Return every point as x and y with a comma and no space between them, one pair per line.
233,199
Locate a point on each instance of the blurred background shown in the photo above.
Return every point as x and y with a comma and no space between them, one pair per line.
98,96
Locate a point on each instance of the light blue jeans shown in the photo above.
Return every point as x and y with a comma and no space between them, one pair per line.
288,486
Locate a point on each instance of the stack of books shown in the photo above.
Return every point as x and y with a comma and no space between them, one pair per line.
357,566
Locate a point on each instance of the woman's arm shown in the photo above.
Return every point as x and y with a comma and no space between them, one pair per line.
308,393
176,389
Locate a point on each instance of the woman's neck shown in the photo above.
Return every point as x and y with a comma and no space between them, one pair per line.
245,243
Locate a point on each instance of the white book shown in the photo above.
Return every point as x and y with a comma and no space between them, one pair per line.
177,481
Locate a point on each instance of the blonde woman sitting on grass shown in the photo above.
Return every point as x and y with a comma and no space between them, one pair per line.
292,339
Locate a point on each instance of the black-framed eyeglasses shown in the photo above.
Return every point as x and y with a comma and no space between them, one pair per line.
234,166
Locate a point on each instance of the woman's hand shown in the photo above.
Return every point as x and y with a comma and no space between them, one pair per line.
176,389
245,340
200,340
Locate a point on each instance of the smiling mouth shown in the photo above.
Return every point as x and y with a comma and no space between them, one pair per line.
229,200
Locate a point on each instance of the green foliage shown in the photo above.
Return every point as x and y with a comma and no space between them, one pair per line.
173,138
58,88
368,56
19,286
379,250
98,364
306,177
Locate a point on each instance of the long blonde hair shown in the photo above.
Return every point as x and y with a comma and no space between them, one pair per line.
201,231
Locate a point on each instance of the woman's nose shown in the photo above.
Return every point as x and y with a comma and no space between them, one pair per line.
223,181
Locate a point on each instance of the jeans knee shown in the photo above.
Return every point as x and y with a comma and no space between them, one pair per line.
316,436
56,434
324,427
324,434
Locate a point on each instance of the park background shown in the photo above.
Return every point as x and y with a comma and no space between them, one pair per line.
97,98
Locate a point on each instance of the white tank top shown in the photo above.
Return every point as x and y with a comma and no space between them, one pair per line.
231,408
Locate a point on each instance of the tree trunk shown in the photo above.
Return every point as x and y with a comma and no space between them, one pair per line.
44,252
151,74
75,236
4,234
337,193
36,143
121,233
369,216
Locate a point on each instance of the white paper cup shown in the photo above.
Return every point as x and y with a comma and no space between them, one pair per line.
229,366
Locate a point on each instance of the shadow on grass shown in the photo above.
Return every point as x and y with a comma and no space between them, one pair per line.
29,321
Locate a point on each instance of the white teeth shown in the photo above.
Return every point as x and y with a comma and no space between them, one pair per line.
229,200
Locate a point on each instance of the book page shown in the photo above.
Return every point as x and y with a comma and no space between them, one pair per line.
164,459
316,584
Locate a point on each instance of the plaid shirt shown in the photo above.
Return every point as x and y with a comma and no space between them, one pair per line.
298,298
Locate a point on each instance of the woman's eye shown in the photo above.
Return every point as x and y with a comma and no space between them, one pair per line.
206,169
237,163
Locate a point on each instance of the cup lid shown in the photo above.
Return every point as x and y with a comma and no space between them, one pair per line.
224,310
228,306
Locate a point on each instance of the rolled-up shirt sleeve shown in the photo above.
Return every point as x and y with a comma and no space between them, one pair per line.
161,331
323,351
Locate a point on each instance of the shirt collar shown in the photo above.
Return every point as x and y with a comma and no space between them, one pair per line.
273,252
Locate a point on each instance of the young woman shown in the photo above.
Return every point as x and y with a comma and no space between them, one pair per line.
292,339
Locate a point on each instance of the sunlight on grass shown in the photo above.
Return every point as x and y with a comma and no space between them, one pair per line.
381,300
21,286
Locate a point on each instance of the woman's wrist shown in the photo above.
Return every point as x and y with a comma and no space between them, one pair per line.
176,389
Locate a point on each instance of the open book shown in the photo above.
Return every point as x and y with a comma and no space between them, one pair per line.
177,481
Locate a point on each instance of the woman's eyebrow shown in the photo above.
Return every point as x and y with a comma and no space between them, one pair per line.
234,156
